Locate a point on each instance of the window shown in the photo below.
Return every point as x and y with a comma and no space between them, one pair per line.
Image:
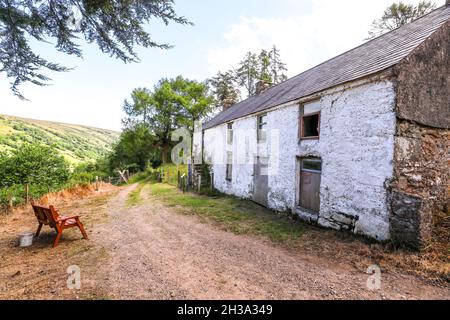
312,165
310,176
230,133
309,126
262,125
229,173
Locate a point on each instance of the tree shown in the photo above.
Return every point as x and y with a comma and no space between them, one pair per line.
159,110
195,102
264,72
277,67
165,117
172,103
265,66
117,26
399,14
139,108
224,89
248,72
134,150
38,165
86,172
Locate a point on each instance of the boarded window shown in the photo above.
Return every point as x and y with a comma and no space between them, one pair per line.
230,133
262,126
310,176
229,173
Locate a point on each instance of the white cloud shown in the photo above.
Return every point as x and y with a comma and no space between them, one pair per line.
305,40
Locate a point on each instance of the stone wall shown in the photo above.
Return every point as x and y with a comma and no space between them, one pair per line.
422,153
422,180
423,82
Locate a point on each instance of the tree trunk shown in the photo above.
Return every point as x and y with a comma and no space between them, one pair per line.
165,154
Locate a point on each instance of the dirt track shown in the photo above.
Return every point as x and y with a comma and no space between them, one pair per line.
149,251
158,254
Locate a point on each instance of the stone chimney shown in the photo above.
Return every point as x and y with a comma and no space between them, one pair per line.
227,105
262,86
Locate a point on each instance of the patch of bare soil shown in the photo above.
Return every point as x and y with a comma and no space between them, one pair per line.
158,254
40,272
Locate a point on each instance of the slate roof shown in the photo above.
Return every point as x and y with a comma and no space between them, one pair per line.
371,57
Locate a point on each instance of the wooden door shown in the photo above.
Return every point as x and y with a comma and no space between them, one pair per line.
261,181
310,176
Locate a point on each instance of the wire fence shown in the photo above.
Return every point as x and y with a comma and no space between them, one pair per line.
185,178
22,194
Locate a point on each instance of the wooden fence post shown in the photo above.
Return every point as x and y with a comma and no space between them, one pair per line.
96,183
199,183
10,202
27,193
211,180
183,183
179,179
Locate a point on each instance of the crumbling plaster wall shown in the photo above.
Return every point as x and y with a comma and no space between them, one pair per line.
356,146
243,149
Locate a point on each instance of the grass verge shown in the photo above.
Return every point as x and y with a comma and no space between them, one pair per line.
134,198
231,214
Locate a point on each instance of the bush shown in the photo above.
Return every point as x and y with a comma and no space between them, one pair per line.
38,166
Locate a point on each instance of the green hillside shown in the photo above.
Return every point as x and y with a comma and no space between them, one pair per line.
76,143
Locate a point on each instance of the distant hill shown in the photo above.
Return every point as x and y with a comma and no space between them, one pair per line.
76,143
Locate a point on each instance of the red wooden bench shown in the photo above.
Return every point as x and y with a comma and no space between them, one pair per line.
49,216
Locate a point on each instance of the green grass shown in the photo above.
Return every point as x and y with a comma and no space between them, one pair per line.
76,143
134,198
170,172
231,214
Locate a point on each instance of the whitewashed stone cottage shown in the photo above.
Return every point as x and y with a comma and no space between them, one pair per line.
358,143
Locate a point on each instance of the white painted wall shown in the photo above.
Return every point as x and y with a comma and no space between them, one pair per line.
356,146
243,148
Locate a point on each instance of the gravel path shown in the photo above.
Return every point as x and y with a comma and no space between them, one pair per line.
158,254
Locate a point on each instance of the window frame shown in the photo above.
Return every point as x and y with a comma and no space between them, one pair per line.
230,133
259,129
315,160
229,167
302,125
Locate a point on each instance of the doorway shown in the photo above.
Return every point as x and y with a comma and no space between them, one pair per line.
261,180
310,176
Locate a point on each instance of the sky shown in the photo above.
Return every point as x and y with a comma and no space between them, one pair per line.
307,32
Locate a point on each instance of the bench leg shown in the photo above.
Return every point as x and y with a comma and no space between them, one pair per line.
83,232
38,230
58,236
